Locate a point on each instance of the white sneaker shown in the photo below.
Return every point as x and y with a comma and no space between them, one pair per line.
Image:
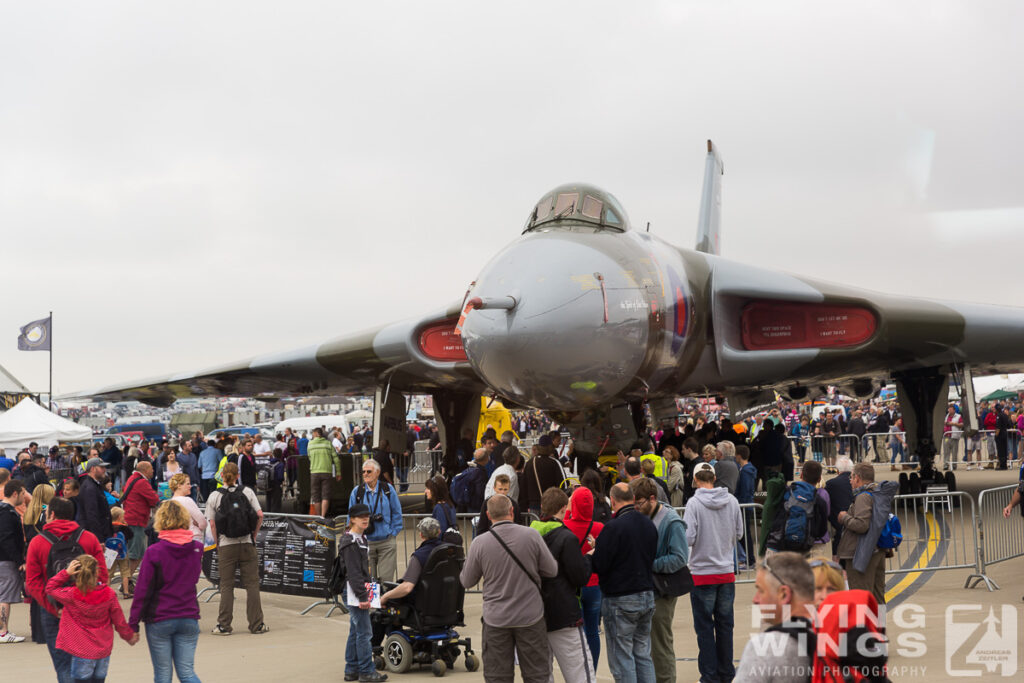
11,638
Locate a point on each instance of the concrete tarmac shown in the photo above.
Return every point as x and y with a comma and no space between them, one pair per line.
308,648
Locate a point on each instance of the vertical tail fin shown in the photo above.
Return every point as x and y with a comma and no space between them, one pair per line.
709,225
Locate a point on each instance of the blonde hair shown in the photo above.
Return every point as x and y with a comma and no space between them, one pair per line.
229,474
710,450
826,576
41,495
171,515
176,481
116,514
86,578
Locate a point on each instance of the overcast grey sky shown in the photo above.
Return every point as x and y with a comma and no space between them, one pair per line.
190,183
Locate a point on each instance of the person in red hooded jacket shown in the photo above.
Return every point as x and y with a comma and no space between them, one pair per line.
90,616
849,642
580,520
59,524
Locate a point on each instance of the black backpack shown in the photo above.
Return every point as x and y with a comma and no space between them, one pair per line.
235,516
338,577
62,552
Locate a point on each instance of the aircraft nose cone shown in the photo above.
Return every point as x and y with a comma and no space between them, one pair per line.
555,350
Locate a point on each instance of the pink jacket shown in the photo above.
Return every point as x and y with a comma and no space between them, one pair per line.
85,624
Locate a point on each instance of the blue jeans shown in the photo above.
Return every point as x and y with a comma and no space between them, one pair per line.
173,642
713,622
86,669
897,449
358,651
590,598
627,630
61,659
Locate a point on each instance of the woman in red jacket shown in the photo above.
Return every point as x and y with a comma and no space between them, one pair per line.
90,615
580,520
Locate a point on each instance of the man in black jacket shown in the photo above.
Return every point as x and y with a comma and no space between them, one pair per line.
840,496
30,472
12,554
541,473
561,593
93,513
624,562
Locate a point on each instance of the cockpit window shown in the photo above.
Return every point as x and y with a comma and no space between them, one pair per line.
543,210
592,207
611,218
566,204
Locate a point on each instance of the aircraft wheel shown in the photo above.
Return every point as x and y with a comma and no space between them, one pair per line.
439,668
951,481
915,482
904,484
397,653
472,663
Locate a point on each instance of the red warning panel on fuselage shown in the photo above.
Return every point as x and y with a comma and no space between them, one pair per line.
440,342
777,325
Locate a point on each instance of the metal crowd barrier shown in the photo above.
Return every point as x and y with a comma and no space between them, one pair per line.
938,533
956,449
409,539
1003,540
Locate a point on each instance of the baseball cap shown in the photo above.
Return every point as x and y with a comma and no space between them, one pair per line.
94,462
704,467
359,510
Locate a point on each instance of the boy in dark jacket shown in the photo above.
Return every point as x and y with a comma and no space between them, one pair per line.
354,550
561,593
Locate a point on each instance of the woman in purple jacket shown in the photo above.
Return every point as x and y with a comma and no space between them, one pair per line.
165,596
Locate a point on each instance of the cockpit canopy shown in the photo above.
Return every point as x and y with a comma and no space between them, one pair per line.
578,207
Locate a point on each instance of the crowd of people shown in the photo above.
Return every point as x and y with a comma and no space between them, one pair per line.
60,548
576,555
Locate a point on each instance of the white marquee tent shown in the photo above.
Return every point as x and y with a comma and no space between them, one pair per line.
28,421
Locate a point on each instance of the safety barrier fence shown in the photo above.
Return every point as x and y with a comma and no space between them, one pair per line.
999,539
939,533
942,530
890,448
981,449
409,539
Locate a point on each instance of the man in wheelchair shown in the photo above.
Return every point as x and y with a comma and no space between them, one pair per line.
418,615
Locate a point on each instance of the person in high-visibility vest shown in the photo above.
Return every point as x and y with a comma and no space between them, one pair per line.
660,466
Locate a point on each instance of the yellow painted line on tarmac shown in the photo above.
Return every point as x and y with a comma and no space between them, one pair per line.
934,536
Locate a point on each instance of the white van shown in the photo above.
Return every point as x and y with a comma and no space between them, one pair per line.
306,424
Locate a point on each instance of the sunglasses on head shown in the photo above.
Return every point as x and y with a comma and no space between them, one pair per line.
827,563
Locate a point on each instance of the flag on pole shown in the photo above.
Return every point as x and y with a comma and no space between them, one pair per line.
35,336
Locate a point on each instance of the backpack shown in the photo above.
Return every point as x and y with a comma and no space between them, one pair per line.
235,516
337,578
263,479
892,533
463,485
451,533
798,508
62,552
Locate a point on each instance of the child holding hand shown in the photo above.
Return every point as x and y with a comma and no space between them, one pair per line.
90,615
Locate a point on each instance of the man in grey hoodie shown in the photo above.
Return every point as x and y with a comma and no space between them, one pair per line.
713,527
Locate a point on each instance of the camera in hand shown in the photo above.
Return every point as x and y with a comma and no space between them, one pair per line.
374,520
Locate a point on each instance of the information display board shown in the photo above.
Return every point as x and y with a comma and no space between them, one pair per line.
294,553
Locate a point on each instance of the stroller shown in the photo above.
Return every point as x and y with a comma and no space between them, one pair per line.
420,627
